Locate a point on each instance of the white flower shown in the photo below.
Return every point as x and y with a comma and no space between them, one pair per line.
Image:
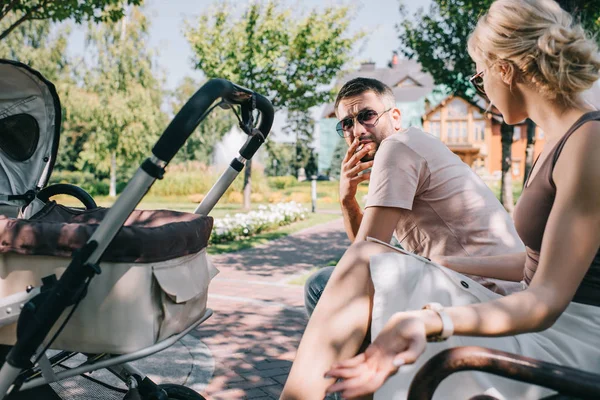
267,217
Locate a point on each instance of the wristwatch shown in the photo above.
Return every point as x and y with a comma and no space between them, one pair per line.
447,324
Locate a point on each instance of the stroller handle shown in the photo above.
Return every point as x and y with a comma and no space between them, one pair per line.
190,115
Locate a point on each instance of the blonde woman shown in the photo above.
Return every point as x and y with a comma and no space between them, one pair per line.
532,62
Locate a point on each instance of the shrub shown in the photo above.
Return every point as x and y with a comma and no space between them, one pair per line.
282,182
300,197
235,197
241,225
196,197
84,180
192,178
257,198
275,197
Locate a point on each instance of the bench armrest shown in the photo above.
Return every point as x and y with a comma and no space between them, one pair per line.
565,380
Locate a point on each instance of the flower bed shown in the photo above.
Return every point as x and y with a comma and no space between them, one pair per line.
248,224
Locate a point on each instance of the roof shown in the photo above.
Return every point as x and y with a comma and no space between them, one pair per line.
408,82
479,102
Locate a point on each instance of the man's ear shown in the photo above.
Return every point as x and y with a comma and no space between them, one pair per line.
396,118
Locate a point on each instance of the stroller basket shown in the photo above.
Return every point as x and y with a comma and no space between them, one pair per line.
154,280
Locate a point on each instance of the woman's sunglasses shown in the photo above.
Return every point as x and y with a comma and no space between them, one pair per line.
367,118
477,82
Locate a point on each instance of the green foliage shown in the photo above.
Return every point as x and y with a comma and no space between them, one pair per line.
266,237
438,38
272,51
126,119
85,180
200,145
196,178
282,182
289,58
281,158
587,12
336,160
32,44
301,124
20,11
311,168
80,108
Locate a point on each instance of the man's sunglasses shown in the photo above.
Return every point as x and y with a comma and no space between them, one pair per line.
367,118
477,82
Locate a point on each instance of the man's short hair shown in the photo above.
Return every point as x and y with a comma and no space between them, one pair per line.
358,86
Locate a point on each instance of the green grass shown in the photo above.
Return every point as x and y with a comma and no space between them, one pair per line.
178,203
327,199
261,238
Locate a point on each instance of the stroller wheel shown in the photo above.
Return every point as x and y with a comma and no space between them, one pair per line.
180,392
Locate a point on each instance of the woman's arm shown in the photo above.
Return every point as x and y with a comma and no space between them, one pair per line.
571,240
508,267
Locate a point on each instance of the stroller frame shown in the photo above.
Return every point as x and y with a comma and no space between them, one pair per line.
38,309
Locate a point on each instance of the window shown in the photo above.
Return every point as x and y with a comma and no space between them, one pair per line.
517,133
462,132
540,133
435,128
477,115
435,117
450,131
516,168
479,130
457,109
456,131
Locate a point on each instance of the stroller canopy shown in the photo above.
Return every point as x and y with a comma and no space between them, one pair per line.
30,116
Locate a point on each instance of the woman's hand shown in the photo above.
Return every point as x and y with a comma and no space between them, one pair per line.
401,341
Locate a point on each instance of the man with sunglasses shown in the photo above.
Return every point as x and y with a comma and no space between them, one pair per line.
418,189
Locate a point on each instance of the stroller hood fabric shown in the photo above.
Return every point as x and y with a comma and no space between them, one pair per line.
146,237
30,118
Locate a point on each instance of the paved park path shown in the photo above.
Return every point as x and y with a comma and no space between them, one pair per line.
259,316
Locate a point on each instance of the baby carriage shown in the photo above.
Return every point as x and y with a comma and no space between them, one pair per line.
131,283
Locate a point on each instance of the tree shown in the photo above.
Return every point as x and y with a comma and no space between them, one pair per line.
288,58
20,11
438,39
587,12
128,116
300,125
33,44
311,167
336,159
200,145
281,158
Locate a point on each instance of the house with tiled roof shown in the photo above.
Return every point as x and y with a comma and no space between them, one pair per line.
472,131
